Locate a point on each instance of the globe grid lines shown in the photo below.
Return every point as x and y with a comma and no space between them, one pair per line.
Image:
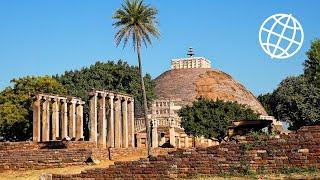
296,27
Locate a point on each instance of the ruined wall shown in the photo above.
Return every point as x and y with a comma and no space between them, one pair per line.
262,154
29,155
118,153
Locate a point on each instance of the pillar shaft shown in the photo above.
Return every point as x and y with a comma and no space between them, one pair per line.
172,136
64,119
131,123
45,120
36,119
154,133
72,119
124,123
110,130
102,121
117,123
79,124
93,119
55,120
186,142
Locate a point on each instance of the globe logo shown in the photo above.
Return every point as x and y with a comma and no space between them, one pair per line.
281,36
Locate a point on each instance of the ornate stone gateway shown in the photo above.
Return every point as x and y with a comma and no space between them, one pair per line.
111,119
57,117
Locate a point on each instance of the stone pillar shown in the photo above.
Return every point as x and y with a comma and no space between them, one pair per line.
179,142
117,123
45,120
55,119
102,121
72,118
139,142
64,118
172,136
155,142
110,130
93,118
124,123
79,124
36,119
186,142
131,122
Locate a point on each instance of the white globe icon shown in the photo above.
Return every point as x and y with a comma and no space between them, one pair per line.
281,36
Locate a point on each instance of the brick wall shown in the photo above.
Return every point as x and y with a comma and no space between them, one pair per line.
29,155
301,149
118,153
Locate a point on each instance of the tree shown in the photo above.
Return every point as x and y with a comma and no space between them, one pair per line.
297,102
211,119
116,76
15,105
267,102
137,21
312,64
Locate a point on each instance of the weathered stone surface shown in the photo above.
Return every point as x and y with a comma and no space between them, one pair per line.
189,84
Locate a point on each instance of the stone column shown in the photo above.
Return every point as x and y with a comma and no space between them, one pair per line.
55,119
186,142
36,119
64,118
79,124
102,121
131,122
139,142
179,142
72,118
124,123
45,120
93,118
172,136
110,130
155,142
117,121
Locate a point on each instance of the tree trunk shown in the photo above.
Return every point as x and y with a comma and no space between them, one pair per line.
145,105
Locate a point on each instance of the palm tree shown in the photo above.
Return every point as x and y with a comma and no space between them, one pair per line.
137,21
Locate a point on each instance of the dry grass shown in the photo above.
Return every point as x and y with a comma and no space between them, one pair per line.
34,174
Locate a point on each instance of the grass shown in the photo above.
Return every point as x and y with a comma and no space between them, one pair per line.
34,174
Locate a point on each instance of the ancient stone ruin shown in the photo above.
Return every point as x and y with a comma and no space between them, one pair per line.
117,130
56,117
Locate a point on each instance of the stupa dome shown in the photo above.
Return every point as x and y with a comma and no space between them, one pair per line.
189,79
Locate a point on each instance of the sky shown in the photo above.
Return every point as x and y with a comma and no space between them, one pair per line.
46,37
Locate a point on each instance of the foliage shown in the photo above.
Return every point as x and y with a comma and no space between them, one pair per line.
298,102
119,76
312,64
15,105
135,21
212,118
267,102
297,99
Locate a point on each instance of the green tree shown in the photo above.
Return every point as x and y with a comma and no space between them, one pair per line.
211,119
15,105
137,21
119,76
267,102
297,102
312,64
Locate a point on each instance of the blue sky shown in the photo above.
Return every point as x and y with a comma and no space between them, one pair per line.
48,37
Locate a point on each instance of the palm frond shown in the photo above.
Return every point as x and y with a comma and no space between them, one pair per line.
135,21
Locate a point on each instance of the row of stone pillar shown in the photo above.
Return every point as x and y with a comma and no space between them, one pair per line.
56,117
111,119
